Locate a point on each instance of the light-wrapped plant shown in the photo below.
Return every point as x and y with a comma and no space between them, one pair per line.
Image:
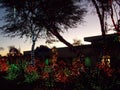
31,74
12,72
3,65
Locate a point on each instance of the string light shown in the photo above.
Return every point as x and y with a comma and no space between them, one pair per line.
106,60
14,12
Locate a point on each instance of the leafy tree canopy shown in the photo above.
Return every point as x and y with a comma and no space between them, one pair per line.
48,16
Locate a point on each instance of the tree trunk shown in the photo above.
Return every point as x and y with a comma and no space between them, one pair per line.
55,33
101,17
113,20
32,52
34,39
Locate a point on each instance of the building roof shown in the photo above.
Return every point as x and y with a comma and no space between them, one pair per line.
100,39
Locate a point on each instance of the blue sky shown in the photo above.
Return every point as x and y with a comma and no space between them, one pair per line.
89,28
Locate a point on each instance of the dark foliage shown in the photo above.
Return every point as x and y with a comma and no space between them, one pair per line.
52,15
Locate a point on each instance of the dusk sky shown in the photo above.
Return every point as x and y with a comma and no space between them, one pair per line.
90,27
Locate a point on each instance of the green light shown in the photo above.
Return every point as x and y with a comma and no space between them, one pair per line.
117,38
30,77
47,69
46,62
12,72
87,62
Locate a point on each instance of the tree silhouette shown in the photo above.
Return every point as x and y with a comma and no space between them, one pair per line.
41,18
104,10
13,55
